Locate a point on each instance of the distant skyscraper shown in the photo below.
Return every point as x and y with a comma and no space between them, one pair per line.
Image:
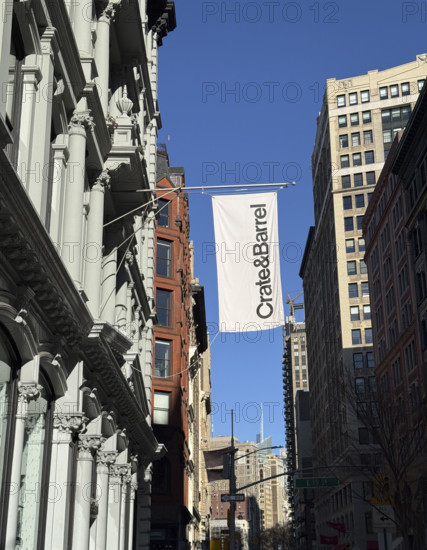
355,129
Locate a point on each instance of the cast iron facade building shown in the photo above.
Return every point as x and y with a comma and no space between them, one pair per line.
78,130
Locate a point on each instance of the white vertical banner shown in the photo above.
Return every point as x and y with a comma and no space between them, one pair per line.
248,262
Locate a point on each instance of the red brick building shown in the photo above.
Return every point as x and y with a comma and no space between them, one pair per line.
398,358
170,403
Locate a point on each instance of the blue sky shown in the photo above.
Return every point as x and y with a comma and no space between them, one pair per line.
276,56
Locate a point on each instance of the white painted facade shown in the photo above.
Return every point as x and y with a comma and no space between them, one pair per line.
78,138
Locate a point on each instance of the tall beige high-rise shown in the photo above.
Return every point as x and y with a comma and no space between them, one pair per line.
355,128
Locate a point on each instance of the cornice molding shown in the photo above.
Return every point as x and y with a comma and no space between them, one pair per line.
26,244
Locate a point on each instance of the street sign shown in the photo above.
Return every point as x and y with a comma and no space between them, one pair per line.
315,482
232,498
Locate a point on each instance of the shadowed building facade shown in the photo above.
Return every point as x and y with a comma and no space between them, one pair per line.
78,130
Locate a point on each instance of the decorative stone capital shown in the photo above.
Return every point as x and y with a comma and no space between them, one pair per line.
28,392
106,458
81,121
110,8
88,444
102,182
69,423
120,470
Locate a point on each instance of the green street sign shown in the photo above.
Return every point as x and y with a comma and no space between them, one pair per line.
314,482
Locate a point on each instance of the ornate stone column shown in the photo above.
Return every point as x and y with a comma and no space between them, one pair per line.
104,460
133,487
109,267
60,159
26,393
114,506
83,15
93,259
6,13
37,171
107,11
124,510
31,78
71,249
122,288
87,445
58,509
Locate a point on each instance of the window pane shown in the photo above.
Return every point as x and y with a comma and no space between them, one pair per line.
163,304
342,121
365,289
369,157
420,85
351,268
370,178
344,140
357,159
347,203
354,313
364,96
161,408
352,290
163,211
387,136
360,201
367,137
405,88
350,246
341,100
359,220
345,182
366,117
363,267
358,180
355,139
368,336
352,98
354,119
394,90
384,92
370,359
345,161
358,360
162,358
348,224
367,312
356,337
163,260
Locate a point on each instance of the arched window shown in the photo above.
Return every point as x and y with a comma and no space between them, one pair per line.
8,401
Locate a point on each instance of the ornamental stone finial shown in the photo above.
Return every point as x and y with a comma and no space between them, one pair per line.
124,104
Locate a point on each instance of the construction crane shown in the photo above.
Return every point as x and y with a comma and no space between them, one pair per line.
292,305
